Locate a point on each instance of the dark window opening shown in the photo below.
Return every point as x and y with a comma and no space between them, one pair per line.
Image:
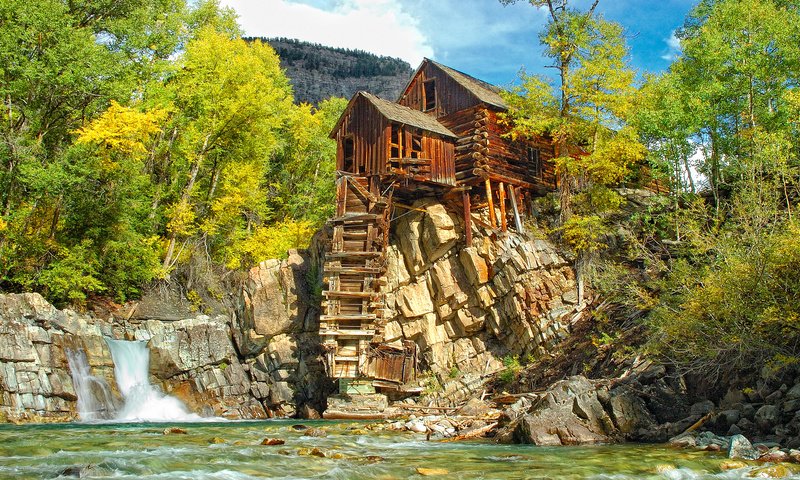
396,142
348,154
534,160
416,145
429,95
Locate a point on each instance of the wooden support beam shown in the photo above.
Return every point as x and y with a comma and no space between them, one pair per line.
492,218
467,218
502,193
517,219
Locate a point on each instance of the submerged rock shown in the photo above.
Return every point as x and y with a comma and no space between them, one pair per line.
772,471
426,472
731,465
79,471
273,441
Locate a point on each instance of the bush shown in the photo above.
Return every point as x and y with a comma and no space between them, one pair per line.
70,278
737,315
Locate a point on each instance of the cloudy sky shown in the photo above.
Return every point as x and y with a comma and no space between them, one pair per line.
480,37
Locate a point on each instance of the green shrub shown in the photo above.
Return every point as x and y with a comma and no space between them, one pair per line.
72,276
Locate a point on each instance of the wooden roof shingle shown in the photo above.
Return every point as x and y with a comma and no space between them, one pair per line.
398,113
483,91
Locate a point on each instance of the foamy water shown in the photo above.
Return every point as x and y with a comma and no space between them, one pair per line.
233,451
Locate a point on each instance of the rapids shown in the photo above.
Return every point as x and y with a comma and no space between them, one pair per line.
232,451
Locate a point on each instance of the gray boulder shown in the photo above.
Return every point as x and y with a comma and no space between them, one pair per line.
767,417
740,447
569,413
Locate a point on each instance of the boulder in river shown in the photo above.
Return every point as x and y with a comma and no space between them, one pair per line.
569,413
740,447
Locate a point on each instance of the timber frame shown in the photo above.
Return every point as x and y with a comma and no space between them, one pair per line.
443,137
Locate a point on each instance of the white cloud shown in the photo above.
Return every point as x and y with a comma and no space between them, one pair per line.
378,26
673,48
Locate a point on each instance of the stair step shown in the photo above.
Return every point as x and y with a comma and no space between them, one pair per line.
334,255
347,333
356,217
353,270
341,294
365,316
354,235
346,359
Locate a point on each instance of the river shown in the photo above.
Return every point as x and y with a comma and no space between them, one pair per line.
232,450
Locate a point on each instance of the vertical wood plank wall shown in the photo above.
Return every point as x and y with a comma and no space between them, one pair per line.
371,133
450,95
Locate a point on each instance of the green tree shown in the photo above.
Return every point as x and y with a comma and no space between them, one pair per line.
727,307
230,99
586,115
63,63
302,176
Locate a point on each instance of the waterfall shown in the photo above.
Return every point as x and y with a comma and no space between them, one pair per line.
143,402
95,401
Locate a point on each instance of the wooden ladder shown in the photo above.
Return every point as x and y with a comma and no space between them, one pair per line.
352,306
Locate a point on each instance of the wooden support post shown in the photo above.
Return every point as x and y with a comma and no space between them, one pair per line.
502,194
517,219
492,218
467,218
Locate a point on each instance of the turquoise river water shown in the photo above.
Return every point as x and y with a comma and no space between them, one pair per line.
232,450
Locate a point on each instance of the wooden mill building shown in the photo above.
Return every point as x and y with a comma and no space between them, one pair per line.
443,138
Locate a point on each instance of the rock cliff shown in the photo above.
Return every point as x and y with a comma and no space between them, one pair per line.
466,308
318,72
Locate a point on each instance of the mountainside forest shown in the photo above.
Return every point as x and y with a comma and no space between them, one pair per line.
147,143
317,72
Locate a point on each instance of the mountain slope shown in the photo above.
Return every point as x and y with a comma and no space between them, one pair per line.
318,72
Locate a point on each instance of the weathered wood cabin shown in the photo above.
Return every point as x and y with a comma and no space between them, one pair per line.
443,137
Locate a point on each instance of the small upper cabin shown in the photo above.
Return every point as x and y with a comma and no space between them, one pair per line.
472,109
379,137
441,91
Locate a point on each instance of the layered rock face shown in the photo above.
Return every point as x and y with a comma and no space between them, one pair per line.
468,308
257,362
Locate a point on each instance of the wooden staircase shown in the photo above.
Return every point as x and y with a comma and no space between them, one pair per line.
352,306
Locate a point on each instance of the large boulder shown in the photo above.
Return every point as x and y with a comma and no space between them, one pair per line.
569,413
189,344
439,232
629,412
274,300
740,447
414,300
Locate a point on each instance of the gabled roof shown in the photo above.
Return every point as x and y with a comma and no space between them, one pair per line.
483,91
398,113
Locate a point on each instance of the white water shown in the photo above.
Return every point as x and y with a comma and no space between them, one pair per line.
95,401
143,402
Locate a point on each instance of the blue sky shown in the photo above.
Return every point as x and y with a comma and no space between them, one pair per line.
480,37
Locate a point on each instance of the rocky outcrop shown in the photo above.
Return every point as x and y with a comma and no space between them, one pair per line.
582,411
277,331
468,308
